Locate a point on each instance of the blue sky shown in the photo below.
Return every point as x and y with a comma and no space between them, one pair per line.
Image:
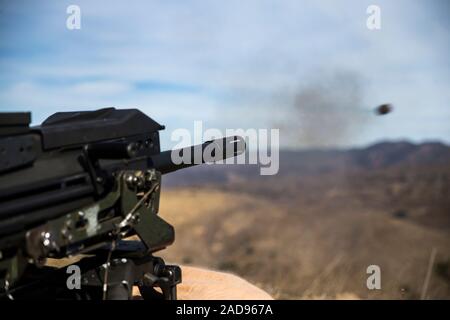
232,64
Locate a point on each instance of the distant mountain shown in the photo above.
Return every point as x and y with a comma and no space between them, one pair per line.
386,154
380,156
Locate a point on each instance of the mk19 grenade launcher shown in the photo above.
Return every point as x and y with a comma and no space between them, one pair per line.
77,186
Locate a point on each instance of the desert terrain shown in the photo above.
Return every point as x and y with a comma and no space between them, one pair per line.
311,231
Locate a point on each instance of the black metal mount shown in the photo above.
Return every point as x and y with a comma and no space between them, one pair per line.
125,266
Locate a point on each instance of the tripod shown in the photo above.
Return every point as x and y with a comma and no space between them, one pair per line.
106,275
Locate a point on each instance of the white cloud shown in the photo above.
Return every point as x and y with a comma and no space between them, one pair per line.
100,88
241,55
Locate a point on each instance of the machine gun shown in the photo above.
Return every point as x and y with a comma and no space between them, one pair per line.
79,185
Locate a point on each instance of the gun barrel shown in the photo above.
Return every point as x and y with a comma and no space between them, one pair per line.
208,152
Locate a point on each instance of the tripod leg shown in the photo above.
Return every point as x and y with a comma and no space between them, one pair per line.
120,280
169,292
120,291
165,277
171,276
149,293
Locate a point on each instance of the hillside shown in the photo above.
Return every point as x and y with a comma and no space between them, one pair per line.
312,230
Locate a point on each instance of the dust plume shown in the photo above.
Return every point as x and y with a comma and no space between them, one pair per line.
327,112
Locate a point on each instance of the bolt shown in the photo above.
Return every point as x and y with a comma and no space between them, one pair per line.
150,175
136,217
66,234
45,238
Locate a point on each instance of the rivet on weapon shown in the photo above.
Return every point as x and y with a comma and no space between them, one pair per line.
46,239
136,217
150,175
129,179
66,234
6,288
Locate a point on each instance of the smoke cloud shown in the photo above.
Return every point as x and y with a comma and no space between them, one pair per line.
328,111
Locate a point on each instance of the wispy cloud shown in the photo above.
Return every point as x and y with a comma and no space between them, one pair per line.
226,63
